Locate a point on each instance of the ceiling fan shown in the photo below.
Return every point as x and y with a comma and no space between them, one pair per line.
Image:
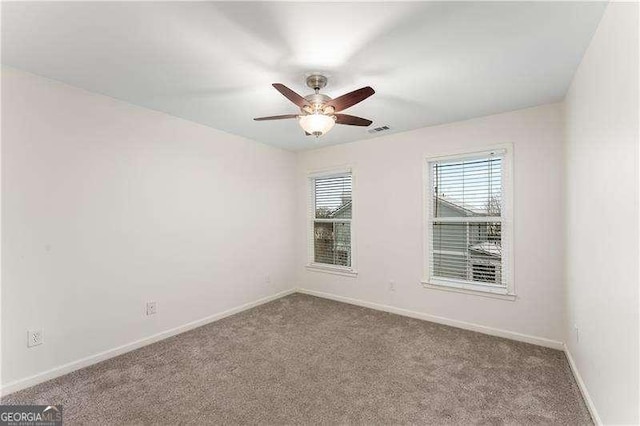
318,111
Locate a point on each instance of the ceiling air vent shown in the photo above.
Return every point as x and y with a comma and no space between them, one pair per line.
379,129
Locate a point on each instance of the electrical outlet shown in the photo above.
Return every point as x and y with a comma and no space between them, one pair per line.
575,326
34,338
152,308
267,279
392,286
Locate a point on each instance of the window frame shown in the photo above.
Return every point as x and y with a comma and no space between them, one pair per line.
312,265
506,219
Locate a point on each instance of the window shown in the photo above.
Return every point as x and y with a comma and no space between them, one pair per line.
330,221
468,227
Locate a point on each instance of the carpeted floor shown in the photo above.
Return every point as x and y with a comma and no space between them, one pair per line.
302,359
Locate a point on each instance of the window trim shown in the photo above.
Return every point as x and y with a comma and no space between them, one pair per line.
349,271
506,219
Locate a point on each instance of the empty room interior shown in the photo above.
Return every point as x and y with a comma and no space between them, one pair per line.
320,213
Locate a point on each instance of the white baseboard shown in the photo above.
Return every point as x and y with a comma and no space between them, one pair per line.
583,388
540,341
94,359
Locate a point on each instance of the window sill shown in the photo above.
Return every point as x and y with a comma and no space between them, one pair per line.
335,270
494,293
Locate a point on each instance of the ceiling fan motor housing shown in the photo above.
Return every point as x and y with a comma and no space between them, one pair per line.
316,100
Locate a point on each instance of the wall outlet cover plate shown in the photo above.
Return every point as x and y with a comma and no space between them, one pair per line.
34,338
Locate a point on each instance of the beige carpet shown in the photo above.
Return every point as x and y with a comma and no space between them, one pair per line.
301,359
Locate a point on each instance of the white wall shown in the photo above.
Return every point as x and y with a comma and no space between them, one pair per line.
388,220
602,216
106,206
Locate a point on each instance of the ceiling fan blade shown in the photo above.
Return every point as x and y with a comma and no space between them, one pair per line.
352,120
307,134
351,98
276,117
291,95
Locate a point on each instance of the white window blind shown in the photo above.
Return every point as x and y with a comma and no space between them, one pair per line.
330,220
465,218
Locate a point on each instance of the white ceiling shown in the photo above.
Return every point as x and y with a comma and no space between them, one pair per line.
213,63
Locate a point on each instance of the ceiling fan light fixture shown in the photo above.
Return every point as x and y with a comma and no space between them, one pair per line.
329,110
317,124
